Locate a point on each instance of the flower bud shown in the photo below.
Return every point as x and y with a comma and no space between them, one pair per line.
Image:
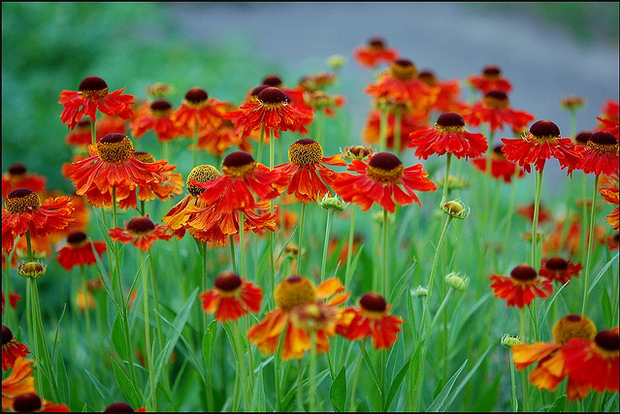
332,203
457,282
455,209
31,269
420,292
510,341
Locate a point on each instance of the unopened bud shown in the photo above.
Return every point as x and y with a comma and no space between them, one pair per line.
457,282
332,203
31,269
510,341
420,292
455,209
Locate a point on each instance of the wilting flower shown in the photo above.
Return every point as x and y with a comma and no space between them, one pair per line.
370,319
449,136
541,143
521,287
231,298
11,349
292,296
379,180
92,95
449,95
556,268
20,381
155,117
374,52
600,155
491,78
550,370
308,171
111,167
80,251
197,111
501,168
18,177
141,232
494,109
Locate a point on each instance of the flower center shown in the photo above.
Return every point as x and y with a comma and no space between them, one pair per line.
544,129
556,264
497,151
496,99
202,174
22,200
17,169
491,72
7,335
385,167
603,142
144,157
257,90
428,77
227,282
573,326
608,340
161,108
294,291
93,87
583,137
305,151
523,273
376,43
273,96
450,122
238,164
196,97
272,80
373,302
403,69
140,225
114,147
76,238
27,402
119,408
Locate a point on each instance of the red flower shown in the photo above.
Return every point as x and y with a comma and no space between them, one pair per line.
14,298
79,251
370,319
231,298
527,211
542,142
600,155
20,381
374,52
30,402
155,116
449,95
307,170
609,117
491,78
556,268
521,287
92,95
17,177
494,109
216,140
141,232
448,135
11,349
82,134
500,167
608,188
197,111
384,180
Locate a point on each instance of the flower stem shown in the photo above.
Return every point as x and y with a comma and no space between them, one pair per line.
535,261
147,329
398,115
383,129
93,131
242,244
312,373
384,283
195,147
584,302
86,307
348,273
302,222
356,375
328,225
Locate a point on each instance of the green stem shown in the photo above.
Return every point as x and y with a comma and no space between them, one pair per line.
328,225
513,382
195,148
259,154
86,307
242,244
302,223
356,375
444,196
93,131
535,261
348,274
299,393
384,281
312,373
232,254
383,129
147,329
584,302
398,116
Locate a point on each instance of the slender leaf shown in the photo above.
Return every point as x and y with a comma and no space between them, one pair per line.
101,389
124,383
440,402
469,375
602,273
398,379
338,390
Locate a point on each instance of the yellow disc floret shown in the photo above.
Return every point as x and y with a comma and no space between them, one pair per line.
573,326
202,174
22,200
114,147
305,151
294,291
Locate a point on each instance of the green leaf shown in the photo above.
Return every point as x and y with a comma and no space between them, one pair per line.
487,400
469,375
559,405
351,271
101,389
338,390
118,338
208,343
606,305
440,401
602,273
126,386
398,379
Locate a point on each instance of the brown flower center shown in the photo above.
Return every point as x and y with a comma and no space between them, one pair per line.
114,147
93,87
523,273
196,96
144,157
119,408
22,200
27,402
76,238
161,108
17,169
583,137
227,282
603,142
608,340
573,326
403,69
544,129
556,264
238,164
257,90
491,72
273,96
272,80
305,151
294,291
373,302
201,174
7,335
428,77
385,167
140,225
450,122
376,43
496,99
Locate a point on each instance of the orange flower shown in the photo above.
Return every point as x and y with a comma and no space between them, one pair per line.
18,177
449,95
374,52
409,123
11,349
600,155
593,363
296,299
379,180
527,211
543,142
494,109
82,134
25,211
30,402
111,166
448,135
79,251
559,269
370,319
155,116
241,178
216,140
92,95
500,167
231,298
20,381
306,160
197,111
141,232
550,370
608,120
491,78
521,287
297,99
400,85
608,188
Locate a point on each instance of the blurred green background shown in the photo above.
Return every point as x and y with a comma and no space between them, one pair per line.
134,45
